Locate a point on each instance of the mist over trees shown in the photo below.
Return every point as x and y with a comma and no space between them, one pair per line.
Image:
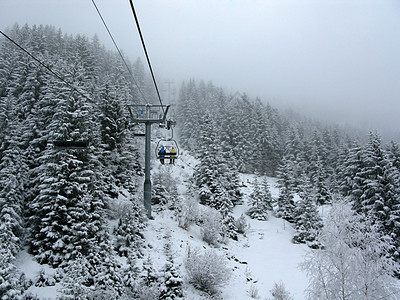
318,163
59,204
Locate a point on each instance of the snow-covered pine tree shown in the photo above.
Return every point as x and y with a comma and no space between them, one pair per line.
266,191
131,275
12,282
13,172
286,173
285,205
319,180
97,275
189,113
230,180
128,234
170,278
113,121
350,181
65,215
393,154
308,222
372,198
165,190
159,193
370,180
273,148
78,280
112,129
149,281
171,282
209,174
259,203
107,271
391,221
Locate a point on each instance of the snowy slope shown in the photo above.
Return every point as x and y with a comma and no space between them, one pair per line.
264,256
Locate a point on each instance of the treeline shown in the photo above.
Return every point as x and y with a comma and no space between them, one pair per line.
256,135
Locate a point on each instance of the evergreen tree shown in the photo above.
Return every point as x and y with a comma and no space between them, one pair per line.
320,181
12,282
350,181
308,223
128,234
78,280
13,172
285,202
96,276
285,205
131,275
149,284
210,172
372,198
189,113
260,201
65,215
266,192
164,187
286,174
171,280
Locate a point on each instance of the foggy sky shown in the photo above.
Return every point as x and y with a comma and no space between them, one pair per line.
336,60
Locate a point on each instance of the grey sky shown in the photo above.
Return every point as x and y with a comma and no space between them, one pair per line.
331,59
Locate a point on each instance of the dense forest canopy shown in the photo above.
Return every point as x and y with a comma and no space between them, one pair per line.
59,203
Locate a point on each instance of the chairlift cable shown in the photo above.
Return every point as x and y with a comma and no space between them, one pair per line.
145,51
119,52
46,67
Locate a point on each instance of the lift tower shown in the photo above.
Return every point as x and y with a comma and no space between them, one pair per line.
148,114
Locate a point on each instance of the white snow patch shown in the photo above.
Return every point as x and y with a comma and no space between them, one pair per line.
264,256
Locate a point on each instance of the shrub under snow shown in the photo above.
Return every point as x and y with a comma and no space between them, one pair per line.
206,271
211,226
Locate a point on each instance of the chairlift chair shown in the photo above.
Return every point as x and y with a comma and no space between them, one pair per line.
69,144
168,144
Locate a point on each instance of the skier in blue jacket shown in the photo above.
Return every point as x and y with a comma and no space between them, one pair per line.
161,154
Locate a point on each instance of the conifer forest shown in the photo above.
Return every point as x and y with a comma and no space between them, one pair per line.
64,208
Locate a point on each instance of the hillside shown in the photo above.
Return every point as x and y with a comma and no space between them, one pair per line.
78,213
263,256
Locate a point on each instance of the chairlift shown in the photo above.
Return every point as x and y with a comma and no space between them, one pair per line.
70,144
167,148
171,149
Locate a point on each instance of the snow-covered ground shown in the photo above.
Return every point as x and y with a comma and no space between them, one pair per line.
264,256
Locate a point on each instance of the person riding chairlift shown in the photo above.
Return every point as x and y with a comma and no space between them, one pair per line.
161,154
172,156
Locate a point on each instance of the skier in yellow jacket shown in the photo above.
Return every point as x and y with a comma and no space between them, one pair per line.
172,154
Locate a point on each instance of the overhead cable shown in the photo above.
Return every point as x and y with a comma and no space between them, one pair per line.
120,54
46,67
145,51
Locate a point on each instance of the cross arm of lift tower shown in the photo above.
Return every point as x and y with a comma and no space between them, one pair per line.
148,114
